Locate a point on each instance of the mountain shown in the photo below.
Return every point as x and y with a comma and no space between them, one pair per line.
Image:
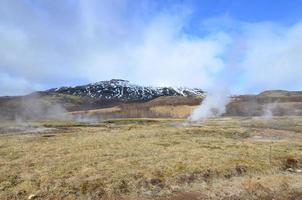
98,95
122,90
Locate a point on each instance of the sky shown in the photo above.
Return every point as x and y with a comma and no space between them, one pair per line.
242,45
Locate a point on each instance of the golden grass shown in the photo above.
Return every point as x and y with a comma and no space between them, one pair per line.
147,159
182,111
96,111
138,111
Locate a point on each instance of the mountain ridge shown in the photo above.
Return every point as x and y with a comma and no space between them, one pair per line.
123,90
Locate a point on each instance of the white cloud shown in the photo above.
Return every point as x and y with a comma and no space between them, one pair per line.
163,55
272,58
98,40
169,57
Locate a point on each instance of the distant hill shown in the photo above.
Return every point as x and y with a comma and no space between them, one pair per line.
265,104
120,98
98,95
268,103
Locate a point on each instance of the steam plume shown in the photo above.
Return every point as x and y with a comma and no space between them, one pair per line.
213,105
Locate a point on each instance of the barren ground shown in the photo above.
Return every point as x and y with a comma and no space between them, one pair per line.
222,158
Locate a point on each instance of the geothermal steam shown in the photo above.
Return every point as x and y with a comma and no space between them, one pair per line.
213,105
35,107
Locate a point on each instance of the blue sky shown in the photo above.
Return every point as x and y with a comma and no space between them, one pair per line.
243,46
281,11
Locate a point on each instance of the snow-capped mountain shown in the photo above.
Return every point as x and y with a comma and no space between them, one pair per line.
122,90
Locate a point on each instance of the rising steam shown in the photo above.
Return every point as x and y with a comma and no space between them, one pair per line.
34,106
213,105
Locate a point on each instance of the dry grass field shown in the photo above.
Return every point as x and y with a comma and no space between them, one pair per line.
137,111
221,158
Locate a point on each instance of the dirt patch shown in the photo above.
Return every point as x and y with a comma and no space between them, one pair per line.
48,135
267,139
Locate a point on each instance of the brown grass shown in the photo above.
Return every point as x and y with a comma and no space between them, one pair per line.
174,111
139,111
148,159
161,107
97,111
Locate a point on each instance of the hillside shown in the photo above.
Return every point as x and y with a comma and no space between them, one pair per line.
55,102
267,103
120,98
161,107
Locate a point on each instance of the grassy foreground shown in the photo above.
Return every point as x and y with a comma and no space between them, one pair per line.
222,158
